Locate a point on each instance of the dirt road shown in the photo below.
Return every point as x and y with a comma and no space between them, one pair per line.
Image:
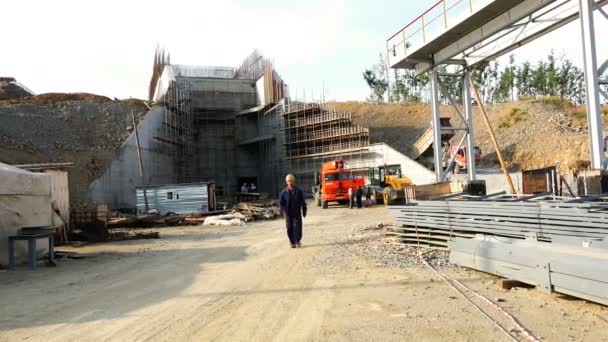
245,284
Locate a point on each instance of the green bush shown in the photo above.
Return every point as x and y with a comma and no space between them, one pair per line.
514,116
553,101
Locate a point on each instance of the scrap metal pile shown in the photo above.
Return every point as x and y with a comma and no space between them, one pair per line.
556,244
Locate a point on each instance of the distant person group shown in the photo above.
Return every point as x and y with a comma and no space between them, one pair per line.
357,199
246,187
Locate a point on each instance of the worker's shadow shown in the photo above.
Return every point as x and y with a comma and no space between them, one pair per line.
118,277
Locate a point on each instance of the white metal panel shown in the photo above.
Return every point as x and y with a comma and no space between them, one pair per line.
176,198
60,192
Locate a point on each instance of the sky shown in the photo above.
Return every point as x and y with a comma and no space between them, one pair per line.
318,46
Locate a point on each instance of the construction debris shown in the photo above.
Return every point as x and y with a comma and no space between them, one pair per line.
150,220
258,211
234,219
126,235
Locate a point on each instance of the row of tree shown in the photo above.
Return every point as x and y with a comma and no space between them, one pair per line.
550,76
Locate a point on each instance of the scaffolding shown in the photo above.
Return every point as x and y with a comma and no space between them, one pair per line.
315,133
176,131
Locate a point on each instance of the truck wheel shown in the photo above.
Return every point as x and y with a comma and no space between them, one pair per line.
323,204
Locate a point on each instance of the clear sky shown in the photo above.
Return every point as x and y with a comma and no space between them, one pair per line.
106,47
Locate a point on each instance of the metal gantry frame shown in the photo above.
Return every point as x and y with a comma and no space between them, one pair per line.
592,82
519,23
465,114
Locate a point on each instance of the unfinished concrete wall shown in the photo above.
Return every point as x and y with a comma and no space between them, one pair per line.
385,154
220,94
215,157
116,186
50,129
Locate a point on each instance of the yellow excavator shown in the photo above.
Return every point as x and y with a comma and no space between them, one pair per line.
393,184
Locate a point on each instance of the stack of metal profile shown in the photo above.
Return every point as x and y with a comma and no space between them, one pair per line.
434,223
572,266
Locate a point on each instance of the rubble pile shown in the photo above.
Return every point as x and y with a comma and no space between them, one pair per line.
11,90
266,210
153,219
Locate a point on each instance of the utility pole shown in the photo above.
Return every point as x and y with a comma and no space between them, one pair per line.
493,138
141,165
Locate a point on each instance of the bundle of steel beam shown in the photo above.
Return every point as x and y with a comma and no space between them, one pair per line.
434,223
572,266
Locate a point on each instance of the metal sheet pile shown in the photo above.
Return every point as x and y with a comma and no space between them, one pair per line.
434,223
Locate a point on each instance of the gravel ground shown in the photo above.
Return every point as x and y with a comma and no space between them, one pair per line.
372,244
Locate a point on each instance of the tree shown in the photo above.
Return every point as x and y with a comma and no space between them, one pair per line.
551,77
523,80
505,89
539,79
376,80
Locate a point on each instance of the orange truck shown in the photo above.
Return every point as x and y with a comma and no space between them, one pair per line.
333,182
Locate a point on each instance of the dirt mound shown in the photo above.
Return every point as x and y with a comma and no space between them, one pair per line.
137,103
532,134
54,98
397,124
10,90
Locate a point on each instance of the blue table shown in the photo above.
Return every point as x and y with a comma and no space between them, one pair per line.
31,248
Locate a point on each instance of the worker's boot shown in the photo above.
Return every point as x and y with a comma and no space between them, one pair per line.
299,245
293,245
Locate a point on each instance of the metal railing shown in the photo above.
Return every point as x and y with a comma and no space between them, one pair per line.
430,24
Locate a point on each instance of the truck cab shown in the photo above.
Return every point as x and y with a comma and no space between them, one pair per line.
334,180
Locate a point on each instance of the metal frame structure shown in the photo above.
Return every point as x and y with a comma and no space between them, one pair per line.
465,114
476,31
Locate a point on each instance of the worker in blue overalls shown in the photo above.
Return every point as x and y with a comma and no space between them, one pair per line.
293,208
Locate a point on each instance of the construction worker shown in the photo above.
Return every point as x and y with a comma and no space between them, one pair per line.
351,199
359,196
252,188
293,208
244,188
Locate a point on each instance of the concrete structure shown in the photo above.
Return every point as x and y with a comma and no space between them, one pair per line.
117,184
25,201
231,126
